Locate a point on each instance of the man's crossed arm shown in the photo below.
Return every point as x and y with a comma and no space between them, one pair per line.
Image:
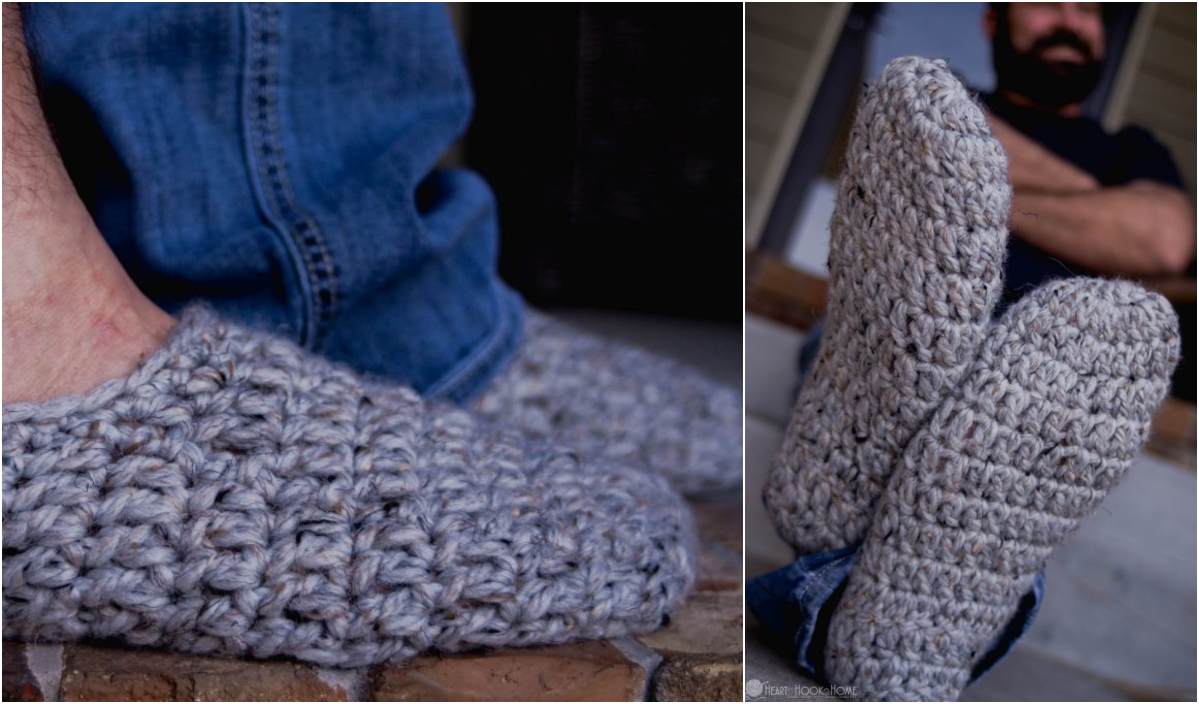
1142,228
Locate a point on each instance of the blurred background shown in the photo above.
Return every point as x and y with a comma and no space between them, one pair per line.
1119,619
611,138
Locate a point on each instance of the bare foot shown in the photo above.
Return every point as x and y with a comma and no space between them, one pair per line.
72,317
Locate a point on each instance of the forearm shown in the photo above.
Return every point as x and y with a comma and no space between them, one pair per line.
1032,167
1141,229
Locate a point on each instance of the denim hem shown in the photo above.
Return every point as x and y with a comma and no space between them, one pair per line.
470,376
795,605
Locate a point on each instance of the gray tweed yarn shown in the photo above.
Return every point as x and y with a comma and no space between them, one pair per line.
1046,423
235,495
918,239
619,403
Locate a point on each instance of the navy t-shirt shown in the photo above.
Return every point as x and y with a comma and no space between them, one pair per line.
1132,154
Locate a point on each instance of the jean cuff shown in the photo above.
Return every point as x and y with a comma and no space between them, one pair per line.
467,380
795,604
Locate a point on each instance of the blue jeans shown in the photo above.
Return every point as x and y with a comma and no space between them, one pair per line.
795,603
279,161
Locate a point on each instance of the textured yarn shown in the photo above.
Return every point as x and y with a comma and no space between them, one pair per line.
236,495
1047,422
918,239
619,403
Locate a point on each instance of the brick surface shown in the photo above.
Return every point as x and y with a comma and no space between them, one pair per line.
19,683
696,657
591,671
712,619
707,623
703,678
719,523
719,569
719,519
95,673
702,645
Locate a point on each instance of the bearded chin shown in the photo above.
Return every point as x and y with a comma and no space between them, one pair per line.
1050,84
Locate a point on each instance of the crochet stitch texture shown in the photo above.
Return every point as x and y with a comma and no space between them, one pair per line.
236,495
918,239
619,403
1031,442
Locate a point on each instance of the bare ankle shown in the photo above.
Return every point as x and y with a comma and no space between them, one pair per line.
76,329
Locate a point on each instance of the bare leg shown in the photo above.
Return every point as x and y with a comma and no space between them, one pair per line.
72,317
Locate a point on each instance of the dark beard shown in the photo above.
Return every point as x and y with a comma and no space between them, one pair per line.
1051,84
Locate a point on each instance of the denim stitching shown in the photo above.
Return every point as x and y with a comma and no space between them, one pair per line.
807,629
818,575
265,140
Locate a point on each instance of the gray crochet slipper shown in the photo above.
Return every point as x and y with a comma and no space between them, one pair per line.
236,495
918,239
1029,445
619,403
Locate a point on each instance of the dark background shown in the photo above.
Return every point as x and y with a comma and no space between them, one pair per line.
612,137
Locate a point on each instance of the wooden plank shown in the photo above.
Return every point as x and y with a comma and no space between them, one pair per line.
753,183
1176,17
1155,94
756,154
1173,55
1159,104
790,23
776,291
765,115
1172,436
775,65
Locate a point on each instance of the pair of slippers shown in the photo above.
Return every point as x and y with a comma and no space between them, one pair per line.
957,450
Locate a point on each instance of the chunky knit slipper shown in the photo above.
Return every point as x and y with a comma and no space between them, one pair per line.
1029,445
917,245
619,403
236,495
